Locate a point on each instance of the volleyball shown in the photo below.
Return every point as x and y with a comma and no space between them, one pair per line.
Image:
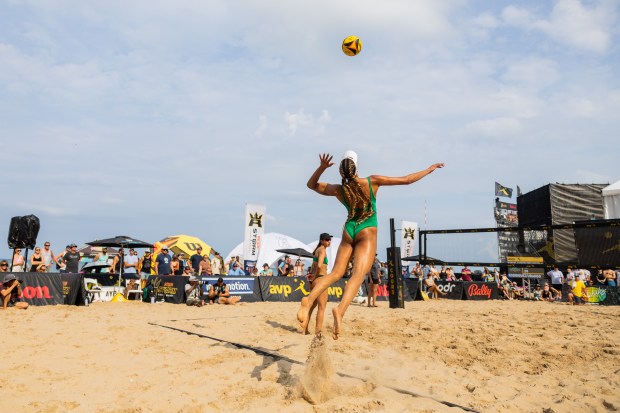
351,46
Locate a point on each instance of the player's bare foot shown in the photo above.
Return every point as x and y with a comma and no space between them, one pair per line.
303,315
337,323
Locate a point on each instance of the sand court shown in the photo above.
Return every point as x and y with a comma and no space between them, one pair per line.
486,356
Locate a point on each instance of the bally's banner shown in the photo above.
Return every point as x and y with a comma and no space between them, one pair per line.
254,231
409,239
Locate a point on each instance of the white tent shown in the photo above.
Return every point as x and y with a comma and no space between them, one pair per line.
611,200
270,242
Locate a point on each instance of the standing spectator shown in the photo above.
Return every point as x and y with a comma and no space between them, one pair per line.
118,263
72,260
383,272
442,273
48,256
217,264
163,262
182,262
556,277
103,258
373,282
131,262
236,270
188,271
299,268
417,271
204,267
450,274
609,277
284,269
193,291
145,265
196,259
19,263
11,292
266,271
232,262
175,266
466,274
570,276
36,261
60,262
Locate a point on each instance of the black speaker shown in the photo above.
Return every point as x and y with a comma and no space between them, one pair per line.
23,232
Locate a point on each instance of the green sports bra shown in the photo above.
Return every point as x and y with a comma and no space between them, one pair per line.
316,259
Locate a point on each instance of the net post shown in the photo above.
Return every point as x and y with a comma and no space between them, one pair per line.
395,273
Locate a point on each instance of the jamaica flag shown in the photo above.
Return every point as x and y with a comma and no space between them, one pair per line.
501,190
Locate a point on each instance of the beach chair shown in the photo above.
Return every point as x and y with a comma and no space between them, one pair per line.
93,290
135,290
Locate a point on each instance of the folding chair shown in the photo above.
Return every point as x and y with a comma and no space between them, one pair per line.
136,289
93,290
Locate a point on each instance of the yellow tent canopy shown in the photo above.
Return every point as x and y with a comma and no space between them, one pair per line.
185,244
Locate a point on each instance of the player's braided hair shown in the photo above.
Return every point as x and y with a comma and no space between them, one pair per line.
354,196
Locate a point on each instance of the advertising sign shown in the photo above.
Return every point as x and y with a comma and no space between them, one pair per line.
453,290
480,291
294,289
409,239
253,235
245,287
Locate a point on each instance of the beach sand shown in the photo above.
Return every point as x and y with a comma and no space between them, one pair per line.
492,356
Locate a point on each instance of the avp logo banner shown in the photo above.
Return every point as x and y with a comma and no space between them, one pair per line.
294,289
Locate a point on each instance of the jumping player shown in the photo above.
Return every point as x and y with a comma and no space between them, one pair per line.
359,235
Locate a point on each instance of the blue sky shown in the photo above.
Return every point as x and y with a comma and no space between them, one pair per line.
156,118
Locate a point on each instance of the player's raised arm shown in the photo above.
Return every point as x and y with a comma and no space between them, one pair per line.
404,180
322,188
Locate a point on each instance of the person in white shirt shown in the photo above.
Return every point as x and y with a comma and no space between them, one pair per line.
216,264
557,278
131,262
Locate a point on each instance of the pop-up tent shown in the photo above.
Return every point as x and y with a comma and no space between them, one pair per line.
611,200
270,242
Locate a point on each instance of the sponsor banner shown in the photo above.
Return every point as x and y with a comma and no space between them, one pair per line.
73,288
253,236
41,288
382,291
294,288
454,290
411,286
480,291
171,288
600,294
409,239
245,287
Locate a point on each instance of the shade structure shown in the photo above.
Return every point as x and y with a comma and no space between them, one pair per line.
120,241
419,257
186,244
298,252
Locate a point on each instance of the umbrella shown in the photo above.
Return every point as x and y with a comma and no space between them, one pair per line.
183,244
299,252
90,251
120,241
419,258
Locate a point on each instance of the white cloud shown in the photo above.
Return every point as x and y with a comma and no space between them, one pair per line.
571,23
301,120
497,128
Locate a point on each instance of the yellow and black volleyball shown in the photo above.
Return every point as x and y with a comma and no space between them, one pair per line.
351,46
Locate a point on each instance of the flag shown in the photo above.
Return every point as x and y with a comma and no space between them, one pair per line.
501,190
519,193
254,230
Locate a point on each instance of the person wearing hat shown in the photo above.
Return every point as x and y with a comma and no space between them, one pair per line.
236,270
11,292
163,262
266,271
193,291
359,235
60,263
317,270
71,259
219,293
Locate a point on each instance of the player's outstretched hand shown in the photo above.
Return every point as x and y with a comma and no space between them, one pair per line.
326,160
435,166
